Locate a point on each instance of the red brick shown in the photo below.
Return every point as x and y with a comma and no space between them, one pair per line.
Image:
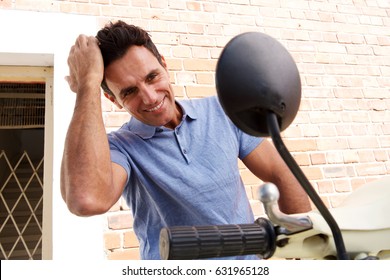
325,187
293,131
258,209
179,91
116,119
332,48
310,130
162,4
325,17
116,206
124,205
301,145
199,64
312,173
164,38
318,158
336,200
343,130
193,6
351,156
384,141
205,78
335,171
254,191
354,116
159,14
181,51
127,254
342,186
185,78
6,3
326,144
381,155
366,156
383,40
363,142
120,220
328,131
326,201
130,240
335,157
134,3
79,8
200,53
248,178
357,183
248,191
120,2
107,105
41,5
302,159
200,91
112,240
174,64
371,169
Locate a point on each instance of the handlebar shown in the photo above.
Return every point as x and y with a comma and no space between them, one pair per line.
199,242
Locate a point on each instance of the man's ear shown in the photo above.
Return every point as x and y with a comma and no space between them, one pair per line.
112,99
164,63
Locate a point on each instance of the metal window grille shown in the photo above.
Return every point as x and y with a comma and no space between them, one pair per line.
21,201
22,105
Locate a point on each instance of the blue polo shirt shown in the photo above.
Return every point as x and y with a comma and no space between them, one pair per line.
185,176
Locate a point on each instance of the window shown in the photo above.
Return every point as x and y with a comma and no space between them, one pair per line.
24,127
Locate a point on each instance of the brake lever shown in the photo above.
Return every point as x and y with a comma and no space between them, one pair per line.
269,195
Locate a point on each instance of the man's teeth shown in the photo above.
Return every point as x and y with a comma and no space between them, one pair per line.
157,107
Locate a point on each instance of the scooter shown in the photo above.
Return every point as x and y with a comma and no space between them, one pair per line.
259,88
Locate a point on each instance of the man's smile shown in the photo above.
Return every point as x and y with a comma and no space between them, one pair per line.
156,107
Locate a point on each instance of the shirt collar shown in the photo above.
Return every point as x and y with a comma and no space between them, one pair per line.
147,131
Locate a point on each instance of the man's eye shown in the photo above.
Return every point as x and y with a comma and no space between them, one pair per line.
151,77
129,91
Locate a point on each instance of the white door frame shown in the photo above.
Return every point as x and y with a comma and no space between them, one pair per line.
44,40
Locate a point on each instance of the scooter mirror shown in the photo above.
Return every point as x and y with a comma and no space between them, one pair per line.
256,75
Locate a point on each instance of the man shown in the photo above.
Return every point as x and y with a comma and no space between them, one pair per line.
175,162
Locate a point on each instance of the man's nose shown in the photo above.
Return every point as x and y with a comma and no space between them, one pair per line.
149,95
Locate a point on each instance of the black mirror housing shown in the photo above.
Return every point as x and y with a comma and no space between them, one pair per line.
255,75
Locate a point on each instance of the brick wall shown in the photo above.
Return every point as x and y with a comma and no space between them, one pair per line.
341,136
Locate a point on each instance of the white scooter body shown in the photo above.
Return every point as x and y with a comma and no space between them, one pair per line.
363,219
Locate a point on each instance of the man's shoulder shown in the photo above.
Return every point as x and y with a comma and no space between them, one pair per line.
204,103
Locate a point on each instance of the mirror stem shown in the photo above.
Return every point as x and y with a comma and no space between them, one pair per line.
274,131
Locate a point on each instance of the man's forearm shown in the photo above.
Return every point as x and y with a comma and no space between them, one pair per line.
293,198
86,165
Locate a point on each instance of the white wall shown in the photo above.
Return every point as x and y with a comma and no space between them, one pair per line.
44,39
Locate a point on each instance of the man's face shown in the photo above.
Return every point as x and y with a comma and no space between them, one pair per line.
141,86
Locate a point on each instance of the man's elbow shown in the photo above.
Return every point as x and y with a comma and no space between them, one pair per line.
83,199
86,206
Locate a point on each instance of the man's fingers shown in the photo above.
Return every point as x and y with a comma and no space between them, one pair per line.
81,40
84,61
92,40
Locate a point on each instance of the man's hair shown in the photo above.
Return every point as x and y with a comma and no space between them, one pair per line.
116,38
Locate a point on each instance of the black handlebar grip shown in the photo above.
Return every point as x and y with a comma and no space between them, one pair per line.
199,242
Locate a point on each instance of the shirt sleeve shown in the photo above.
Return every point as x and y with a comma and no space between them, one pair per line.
247,143
118,157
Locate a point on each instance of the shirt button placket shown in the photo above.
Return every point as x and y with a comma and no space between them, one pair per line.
181,142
